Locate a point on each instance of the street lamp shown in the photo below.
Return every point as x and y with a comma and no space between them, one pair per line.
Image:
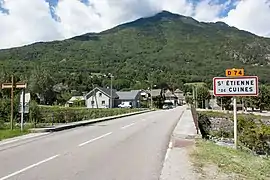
111,99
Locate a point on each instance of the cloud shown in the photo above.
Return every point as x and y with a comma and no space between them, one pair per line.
27,21
251,15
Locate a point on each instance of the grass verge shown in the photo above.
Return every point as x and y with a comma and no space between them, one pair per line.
7,133
227,162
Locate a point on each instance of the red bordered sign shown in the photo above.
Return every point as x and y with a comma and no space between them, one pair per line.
236,86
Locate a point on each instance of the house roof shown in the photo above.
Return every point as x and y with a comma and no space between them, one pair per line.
75,98
106,91
168,93
178,91
128,94
155,92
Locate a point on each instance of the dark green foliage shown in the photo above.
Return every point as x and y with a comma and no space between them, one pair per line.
175,49
225,102
34,113
254,136
262,101
252,133
189,100
202,95
51,115
204,125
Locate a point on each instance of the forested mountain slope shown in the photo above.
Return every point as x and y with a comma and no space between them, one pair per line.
170,48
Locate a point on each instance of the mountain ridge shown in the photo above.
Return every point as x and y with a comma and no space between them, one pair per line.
174,48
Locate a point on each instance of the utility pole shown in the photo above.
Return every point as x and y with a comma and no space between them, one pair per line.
111,104
151,95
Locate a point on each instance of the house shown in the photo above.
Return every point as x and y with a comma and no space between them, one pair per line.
155,93
180,95
170,96
101,98
75,101
132,96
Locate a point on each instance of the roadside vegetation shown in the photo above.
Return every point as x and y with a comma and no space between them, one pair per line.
217,162
6,132
253,130
44,116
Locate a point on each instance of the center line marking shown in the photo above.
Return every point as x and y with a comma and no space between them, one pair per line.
29,167
124,127
92,140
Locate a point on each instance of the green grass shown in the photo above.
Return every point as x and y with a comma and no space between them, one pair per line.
231,161
7,133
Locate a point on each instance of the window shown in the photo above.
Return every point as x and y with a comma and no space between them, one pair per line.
100,94
103,103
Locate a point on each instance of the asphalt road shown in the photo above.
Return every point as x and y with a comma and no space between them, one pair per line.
130,148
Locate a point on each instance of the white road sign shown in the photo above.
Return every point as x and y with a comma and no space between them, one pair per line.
240,86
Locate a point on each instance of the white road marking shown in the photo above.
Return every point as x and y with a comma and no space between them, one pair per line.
29,167
168,151
92,140
124,127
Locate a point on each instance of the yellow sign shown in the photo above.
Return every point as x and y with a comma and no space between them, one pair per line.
234,72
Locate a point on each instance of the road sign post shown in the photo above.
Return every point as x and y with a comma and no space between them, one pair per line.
13,86
235,86
22,109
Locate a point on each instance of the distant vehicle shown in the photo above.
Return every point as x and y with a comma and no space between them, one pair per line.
168,105
125,105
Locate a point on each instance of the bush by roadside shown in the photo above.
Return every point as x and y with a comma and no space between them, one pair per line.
253,131
54,114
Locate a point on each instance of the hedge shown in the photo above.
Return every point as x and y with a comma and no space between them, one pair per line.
55,114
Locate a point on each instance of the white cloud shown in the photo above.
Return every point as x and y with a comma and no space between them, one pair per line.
26,23
251,15
29,21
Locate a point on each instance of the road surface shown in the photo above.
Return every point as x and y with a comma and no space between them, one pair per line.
130,148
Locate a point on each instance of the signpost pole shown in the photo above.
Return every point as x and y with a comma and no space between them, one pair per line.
12,102
22,109
235,121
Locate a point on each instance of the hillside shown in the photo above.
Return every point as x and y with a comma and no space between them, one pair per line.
175,48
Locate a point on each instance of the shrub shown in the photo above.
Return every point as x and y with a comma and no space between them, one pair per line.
56,114
204,125
252,133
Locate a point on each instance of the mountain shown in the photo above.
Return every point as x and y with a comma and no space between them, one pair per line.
168,48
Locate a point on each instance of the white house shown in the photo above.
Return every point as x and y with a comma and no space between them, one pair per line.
100,98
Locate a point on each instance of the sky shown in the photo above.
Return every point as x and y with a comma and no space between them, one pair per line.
24,22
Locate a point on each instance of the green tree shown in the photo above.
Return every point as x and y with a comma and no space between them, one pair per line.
42,83
203,94
261,101
34,112
225,102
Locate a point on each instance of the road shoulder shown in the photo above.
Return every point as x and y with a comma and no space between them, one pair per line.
178,163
